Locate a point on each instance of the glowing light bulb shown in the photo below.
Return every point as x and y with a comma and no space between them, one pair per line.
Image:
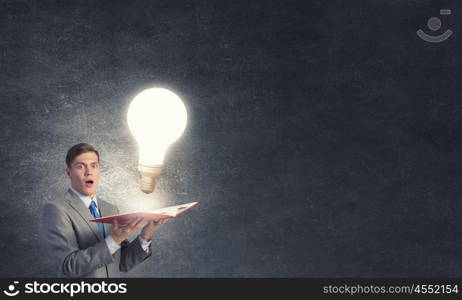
156,118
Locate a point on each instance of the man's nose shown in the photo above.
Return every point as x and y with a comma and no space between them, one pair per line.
88,172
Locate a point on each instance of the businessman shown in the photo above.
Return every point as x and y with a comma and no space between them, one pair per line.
86,249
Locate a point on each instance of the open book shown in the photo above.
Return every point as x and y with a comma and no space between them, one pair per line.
148,215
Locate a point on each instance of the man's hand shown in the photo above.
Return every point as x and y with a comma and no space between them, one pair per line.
150,228
119,233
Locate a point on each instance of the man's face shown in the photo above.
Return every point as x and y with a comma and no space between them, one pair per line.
84,173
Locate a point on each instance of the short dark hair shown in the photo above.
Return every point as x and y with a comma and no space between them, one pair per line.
78,149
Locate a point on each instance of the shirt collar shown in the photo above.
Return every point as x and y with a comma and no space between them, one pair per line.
86,199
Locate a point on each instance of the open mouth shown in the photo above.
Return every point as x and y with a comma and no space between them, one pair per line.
89,183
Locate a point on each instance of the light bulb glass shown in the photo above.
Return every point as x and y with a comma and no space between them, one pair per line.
156,117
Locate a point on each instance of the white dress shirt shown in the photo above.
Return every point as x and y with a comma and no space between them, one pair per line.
111,244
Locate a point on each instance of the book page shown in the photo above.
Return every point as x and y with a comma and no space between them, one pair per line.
172,210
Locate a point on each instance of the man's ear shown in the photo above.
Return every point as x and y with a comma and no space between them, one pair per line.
68,172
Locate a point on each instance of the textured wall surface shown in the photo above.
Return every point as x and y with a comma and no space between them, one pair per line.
324,137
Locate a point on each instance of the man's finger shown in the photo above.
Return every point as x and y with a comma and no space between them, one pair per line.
133,224
139,224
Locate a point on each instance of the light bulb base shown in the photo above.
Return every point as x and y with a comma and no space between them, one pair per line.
148,177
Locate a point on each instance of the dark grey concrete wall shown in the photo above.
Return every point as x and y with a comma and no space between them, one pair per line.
324,137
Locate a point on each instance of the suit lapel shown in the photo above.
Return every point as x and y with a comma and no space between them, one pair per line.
78,205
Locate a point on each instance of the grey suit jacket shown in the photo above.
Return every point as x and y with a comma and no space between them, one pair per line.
77,246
